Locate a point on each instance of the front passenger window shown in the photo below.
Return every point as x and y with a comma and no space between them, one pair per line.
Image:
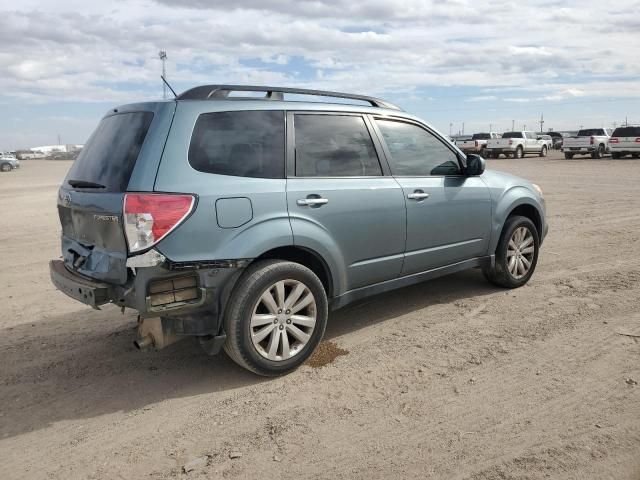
416,152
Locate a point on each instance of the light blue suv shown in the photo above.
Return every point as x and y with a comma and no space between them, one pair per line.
243,220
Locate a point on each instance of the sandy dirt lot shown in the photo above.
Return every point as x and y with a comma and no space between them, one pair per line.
448,379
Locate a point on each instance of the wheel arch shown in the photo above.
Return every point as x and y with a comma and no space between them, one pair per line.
304,256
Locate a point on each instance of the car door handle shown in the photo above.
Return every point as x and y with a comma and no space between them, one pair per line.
418,196
312,202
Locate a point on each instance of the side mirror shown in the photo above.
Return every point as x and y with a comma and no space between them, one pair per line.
475,165
538,137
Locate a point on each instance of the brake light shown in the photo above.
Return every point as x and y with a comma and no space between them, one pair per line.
592,140
638,140
149,217
614,140
476,143
510,142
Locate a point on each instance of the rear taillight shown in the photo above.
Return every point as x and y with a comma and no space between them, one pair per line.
510,142
614,140
149,217
638,140
476,143
592,140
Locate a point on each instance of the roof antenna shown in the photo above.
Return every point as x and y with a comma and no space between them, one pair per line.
167,84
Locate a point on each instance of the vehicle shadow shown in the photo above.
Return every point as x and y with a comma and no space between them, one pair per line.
84,364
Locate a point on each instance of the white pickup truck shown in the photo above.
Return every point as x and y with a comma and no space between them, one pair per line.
478,143
625,141
517,144
588,141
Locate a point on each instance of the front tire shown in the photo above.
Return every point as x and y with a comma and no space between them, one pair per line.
276,317
568,156
6,167
543,152
516,255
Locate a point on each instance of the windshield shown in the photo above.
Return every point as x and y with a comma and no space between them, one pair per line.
481,136
512,135
626,132
590,131
109,156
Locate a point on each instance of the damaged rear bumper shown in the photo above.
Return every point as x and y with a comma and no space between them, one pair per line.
89,292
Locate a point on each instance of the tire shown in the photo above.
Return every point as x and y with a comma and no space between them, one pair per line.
501,274
635,155
543,152
519,153
616,155
246,300
598,153
483,153
6,167
568,156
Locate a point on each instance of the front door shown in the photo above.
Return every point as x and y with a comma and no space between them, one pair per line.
338,196
448,213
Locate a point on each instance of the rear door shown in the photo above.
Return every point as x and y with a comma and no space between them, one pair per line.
338,195
90,200
448,213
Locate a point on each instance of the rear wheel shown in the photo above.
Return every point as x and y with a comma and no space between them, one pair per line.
276,317
635,155
516,255
543,152
598,153
568,155
6,167
616,155
519,152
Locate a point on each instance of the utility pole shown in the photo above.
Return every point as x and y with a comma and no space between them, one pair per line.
626,121
490,128
163,57
524,127
513,125
450,127
59,141
462,128
541,121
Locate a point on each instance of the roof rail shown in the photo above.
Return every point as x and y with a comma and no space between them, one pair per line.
207,92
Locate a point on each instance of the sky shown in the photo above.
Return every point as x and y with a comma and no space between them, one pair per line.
64,63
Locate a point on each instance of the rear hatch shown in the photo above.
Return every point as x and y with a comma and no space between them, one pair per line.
625,138
90,201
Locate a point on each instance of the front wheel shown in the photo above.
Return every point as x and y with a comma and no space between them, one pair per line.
5,167
276,317
543,152
568,155
516,255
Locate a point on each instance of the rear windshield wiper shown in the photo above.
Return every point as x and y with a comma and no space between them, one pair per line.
84,184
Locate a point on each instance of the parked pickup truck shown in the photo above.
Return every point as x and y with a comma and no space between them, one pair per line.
517,144
625,141
478,143
590,141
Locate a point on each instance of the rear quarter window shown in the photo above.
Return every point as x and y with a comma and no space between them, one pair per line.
242,144
111,152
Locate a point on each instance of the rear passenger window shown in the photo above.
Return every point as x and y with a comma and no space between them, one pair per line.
242,144
334,146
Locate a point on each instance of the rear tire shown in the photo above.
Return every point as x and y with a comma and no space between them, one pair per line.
635,155
6,167
616,155
267,331
516,254
543,152
568,156
598,153
519,152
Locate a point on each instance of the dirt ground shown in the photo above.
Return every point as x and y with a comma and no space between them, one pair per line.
448,379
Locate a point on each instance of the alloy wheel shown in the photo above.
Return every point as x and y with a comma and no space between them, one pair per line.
283,320
520,252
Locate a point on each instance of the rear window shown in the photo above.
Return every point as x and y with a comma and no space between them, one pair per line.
512,135
626,132
590,131
481,136
111,152
241,144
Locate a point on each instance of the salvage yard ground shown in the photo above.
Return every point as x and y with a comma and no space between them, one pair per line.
448,379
